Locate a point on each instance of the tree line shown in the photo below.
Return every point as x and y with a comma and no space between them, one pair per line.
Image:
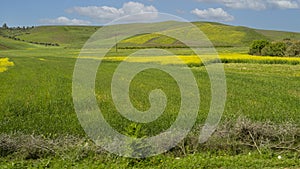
5,26
14,37
286,47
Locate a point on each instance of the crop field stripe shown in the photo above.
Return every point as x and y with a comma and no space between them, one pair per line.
193,60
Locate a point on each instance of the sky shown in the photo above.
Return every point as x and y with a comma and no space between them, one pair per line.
261,14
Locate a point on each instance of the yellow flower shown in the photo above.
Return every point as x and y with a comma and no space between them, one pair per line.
194,60
4,63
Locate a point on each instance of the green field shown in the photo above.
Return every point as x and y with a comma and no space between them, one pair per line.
219,34
39,127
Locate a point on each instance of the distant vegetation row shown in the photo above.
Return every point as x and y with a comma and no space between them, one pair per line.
37,43
287,47
19,31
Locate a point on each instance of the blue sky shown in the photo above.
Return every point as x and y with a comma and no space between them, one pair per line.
264,14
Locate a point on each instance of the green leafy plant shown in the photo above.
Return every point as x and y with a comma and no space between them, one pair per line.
136,147
293,49
274,49
257,46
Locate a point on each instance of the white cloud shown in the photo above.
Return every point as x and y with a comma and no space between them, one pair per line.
217,14
65,21
257,4
285,4
106,13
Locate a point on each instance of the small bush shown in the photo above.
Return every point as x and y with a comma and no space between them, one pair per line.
274,49
257,46
293,49
286,47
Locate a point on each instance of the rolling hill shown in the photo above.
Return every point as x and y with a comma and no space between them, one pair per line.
6,43
66,36
221,35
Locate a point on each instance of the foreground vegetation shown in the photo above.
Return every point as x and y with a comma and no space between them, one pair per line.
37,91
40,84
252,160
240,140
39,127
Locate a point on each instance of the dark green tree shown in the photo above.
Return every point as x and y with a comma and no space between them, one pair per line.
4,26
293,49
257,46
274,49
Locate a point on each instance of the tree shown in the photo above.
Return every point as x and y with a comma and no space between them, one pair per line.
294,49
257,46
274,49
5,26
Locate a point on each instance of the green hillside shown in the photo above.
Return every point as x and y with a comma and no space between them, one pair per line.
6,43
68,36
65,36
278,35
221,35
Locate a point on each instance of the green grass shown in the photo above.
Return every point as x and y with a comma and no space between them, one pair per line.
219,34
141,39
67,36
38,90
203,160
6,43
36,98
35,92
225,35
279,35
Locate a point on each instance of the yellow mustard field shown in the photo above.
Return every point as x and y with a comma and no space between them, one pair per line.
194,60
245,58
4,64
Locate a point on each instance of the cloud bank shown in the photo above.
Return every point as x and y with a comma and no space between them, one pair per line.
257,4
65,21
106,13
217,14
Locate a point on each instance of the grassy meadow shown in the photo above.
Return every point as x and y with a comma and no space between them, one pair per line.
39,127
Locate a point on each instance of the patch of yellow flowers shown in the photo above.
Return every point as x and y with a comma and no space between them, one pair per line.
4,64
245,58
195,60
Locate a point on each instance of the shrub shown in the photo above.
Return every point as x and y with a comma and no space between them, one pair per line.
257,46
293,49
274,49
286,47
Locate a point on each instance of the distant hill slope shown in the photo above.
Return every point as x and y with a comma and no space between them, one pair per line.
6,43
278,35
67,36
220,35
